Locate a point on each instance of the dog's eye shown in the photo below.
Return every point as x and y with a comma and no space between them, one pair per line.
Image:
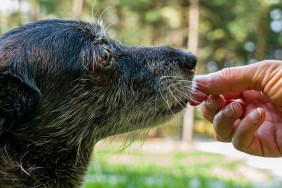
107,61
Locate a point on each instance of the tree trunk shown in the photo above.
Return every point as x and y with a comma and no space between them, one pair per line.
20,13
35,10
262,34
3,22
77,8
188,118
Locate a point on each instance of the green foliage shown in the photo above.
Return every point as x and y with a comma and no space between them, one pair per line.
227,26
146,169
231,32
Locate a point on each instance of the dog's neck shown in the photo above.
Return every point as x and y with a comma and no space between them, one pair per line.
57,154
57,164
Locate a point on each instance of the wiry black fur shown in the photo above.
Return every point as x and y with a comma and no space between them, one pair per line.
64,85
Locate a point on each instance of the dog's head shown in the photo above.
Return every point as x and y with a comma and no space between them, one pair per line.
56,72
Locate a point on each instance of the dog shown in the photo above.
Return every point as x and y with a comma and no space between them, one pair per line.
65,85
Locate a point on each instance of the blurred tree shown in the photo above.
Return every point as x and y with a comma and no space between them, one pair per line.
77,8
193,35
35,10
236,32
231,33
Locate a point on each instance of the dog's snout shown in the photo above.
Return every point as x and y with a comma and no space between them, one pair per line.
189,61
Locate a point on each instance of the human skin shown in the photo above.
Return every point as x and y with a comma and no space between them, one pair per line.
245,106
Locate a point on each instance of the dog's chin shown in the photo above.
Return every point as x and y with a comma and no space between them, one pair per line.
169,113
178,108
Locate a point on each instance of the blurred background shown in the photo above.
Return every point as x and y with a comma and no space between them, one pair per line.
181,153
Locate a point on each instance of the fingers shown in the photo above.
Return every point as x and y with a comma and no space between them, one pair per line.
265,76
242,133
225,121
211,106
233,79
245,138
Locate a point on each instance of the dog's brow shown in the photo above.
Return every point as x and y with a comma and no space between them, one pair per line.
102,40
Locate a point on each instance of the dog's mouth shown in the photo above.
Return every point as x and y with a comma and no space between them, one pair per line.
176,108
176,92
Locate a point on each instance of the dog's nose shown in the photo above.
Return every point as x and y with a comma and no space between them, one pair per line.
189,60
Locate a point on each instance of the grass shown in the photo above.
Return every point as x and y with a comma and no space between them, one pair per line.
136,167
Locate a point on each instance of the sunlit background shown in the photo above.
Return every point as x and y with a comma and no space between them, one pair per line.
223,33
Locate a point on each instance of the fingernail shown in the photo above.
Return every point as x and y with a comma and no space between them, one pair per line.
197,96
211,103
194,103
230,110
199,78
256,115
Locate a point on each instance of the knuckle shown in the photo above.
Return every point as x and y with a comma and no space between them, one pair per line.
227,73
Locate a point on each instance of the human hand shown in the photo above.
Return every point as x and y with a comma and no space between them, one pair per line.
245,105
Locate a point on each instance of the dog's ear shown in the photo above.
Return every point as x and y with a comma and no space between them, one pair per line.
17,99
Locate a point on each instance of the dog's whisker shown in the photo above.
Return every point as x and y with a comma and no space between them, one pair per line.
196,91
92,11
166,101
187,96
176,98
192,81
202,85
106,28
104,11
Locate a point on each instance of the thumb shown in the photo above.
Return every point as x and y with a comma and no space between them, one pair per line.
234,79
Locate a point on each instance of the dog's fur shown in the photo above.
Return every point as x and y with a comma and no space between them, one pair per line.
65,84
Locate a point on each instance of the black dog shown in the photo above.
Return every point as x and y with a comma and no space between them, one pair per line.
64,85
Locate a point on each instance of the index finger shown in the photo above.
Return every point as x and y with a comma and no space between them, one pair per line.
234,79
